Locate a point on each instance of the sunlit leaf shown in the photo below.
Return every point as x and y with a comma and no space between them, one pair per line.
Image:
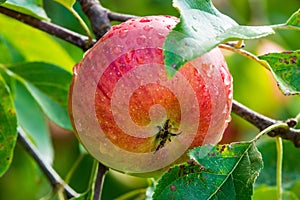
30,7
66,3
8,127
202,27
33,121
265,192
290,173
286,70
33,44
224,172
294,20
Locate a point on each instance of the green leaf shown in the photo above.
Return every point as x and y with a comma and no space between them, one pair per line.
202,27
291,163
48,84
8,127
33,121
265,192
2,1
67,3
134,194
285,67
294,20
48,78
9,53
33,44
224,172
33,8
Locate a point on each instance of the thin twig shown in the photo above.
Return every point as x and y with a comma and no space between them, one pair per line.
53,29
56,181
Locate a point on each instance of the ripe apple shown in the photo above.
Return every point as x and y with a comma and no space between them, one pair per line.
134,119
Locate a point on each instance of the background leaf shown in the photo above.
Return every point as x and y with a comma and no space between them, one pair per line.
48,84
286,70
225,172
2,1
33,8
291,162
201,28
294,20
33,121
8,127
265,192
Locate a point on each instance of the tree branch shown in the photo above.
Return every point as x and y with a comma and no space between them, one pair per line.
258,120
97,15
113,16
58,31
56,181
262,122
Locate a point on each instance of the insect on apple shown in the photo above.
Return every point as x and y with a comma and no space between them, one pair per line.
164,134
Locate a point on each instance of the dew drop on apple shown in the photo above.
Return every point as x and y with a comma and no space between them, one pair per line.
117,49
147,27
210,71
161,35
123,33
141,39
143,20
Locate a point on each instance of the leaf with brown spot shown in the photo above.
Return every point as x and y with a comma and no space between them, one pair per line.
285,68
221,172
8,127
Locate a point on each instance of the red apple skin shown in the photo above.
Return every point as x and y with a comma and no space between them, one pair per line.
116,90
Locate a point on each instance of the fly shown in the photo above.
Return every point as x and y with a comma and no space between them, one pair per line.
164,134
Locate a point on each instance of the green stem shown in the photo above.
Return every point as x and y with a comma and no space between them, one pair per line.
279,167
269,129
135,194
247,54
284,27
297,118
74,167
82,23
93,179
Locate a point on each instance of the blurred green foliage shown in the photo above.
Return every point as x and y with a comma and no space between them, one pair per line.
253,85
